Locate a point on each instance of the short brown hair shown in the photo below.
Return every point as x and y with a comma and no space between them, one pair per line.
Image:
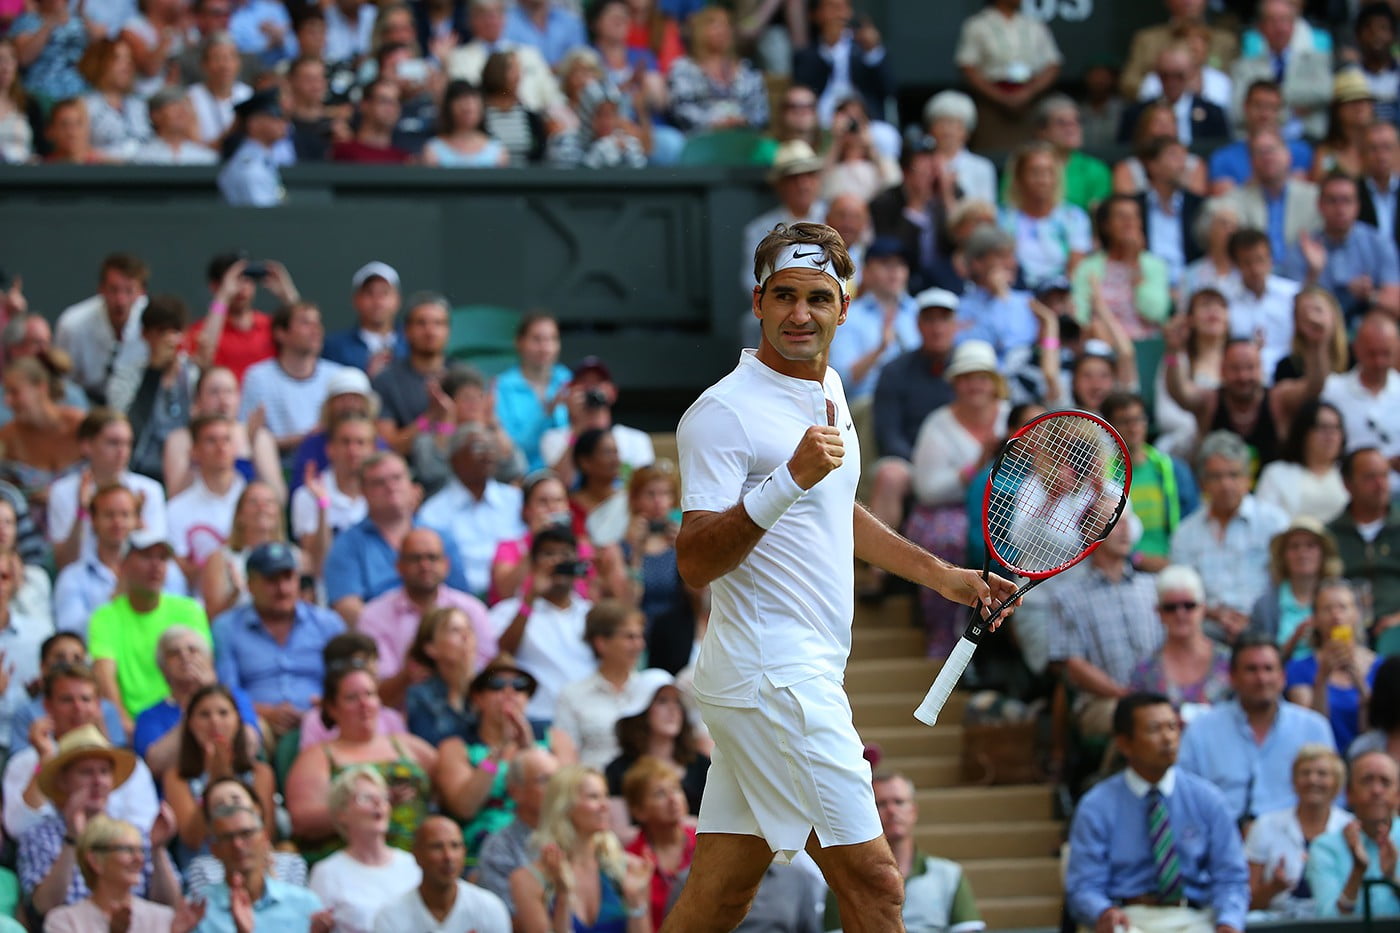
111,489
605,618
784,235
59,672
198,425
639,777
127,264
96,421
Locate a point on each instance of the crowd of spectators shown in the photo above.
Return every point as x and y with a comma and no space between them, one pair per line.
260,583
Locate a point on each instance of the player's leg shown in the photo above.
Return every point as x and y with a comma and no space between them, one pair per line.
724,877
865,879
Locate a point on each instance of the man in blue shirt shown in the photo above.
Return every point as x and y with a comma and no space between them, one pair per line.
548,28
1365,849
1154,846
880,325
250,898
991,309
1263,110
1246,746
272,647
373,341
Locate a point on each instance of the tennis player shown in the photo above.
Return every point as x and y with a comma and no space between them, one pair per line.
769,463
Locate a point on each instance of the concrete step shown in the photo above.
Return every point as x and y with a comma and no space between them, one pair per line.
915,739
924,770
1013,804
896,709
883,642
886,675
1014,877
890,612
977,840
1020,913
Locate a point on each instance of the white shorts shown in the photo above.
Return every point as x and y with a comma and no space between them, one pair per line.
790,765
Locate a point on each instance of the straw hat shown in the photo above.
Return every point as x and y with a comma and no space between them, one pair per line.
83,742
795,157
1331,559
1350,85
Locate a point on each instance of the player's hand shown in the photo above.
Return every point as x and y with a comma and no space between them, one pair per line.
820,451
968,588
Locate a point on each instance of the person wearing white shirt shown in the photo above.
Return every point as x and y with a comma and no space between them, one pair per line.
215,97
200,519
94,331
539,89
349,30
327,503
1261,303
950,117
771,525
291,386
545,629
590,400
104,438
20,639
473,510
443,902
173,142
1368,395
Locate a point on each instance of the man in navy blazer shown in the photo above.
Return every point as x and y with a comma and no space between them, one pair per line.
1168,210
1196,117
854,57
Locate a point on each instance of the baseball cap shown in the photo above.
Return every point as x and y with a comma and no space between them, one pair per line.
936,298
885,247
374,270
273,557
595,365
143,538
649,684
1056,283
348,380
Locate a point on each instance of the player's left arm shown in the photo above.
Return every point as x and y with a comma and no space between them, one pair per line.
878,544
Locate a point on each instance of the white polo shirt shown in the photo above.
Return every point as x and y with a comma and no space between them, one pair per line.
552,648
476,910
1267,317
1370,420
63,507
785,612
84,332
200,520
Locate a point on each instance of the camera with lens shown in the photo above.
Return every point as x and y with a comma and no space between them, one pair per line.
595,398
571,568
256,269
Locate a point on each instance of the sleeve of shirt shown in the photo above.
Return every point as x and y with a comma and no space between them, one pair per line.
62,510
1189,757
1065,642
342,571
35,859
456,569
305,514
1327,868
68,611
963,916
19,816
714,453
1086,879
225,659
566,716
1078,228
968,53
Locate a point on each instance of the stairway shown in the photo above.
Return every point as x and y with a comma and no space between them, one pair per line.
1006,838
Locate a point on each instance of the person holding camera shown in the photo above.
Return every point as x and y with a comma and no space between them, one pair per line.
234,334
544,626
590,397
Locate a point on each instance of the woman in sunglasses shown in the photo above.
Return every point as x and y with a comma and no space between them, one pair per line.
1190,670
473,768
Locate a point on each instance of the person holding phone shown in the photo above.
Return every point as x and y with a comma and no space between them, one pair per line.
1336,678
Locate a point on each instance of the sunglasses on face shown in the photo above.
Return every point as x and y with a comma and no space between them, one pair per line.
1189,606
519,683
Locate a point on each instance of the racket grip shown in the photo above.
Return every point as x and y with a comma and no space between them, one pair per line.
947,679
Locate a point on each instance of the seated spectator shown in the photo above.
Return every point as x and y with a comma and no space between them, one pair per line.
529,395
950,117
1100,107
348,393
1008,59
1341,860
476,768
659,726
417,78
605,138
330,501
550,29
1263,306
1335,678
1245,746
953,444
1306,479
597,499
711,87
106,852
1222,44
350,648
591,395
314,124
214,743
1231,164
216,396
350,702
234,334
1276,844
201,518
854,163
1170,208
18,535
1115,877
28,334
271,647
462,140
1163,489
1205,75
105,439
33,593
1381,713
1370,558
1190,669
1380,188
174,139
631,71
1348,258
513,845
1087,180
578,71
1374,29
122,634
443,900
473,401
839,41
796,180
545,503
1352,110
120,122
1302,72
1130,282
521,130
70,704
19,113
186,661
1301,557
538,89
880,325
1156,120
393,619
361,563
1367,394
1182,88
360,880
1215,224
97,331
411,399
154,384
219,89
937,895
1108,590
40,443
69,135
49,40
1273,200
574,837
991,309
291,386
1051,234
374,341
21,636
240,843
438,704
665,838
676,614
59,649
849,216
373,142
79,778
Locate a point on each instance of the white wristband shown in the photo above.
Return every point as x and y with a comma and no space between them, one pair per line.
767,501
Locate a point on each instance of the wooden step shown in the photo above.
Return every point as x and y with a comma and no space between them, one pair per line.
1028,803
874,643
886,675
975,840
925,771
872,710
915,740
1014,877
1021,913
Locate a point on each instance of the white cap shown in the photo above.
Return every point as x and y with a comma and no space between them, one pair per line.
375,269
936,298
143,538
649,684
348,381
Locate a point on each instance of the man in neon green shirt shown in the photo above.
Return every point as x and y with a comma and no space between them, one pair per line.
122,634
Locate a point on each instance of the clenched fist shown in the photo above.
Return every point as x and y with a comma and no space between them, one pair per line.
820,451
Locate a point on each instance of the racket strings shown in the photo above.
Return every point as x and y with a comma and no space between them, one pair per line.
1055,491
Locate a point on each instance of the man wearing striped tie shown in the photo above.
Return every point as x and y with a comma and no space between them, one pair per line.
1154,848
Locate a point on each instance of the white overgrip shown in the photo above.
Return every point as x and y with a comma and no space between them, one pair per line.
947,679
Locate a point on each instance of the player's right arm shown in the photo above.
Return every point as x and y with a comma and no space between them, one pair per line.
711,544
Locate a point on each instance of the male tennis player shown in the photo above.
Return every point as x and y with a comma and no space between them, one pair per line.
771,523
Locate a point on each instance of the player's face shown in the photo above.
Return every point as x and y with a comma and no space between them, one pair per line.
800,310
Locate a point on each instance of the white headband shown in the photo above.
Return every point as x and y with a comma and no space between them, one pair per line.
802,256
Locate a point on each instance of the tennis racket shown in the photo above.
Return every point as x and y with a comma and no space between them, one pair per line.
1057,488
